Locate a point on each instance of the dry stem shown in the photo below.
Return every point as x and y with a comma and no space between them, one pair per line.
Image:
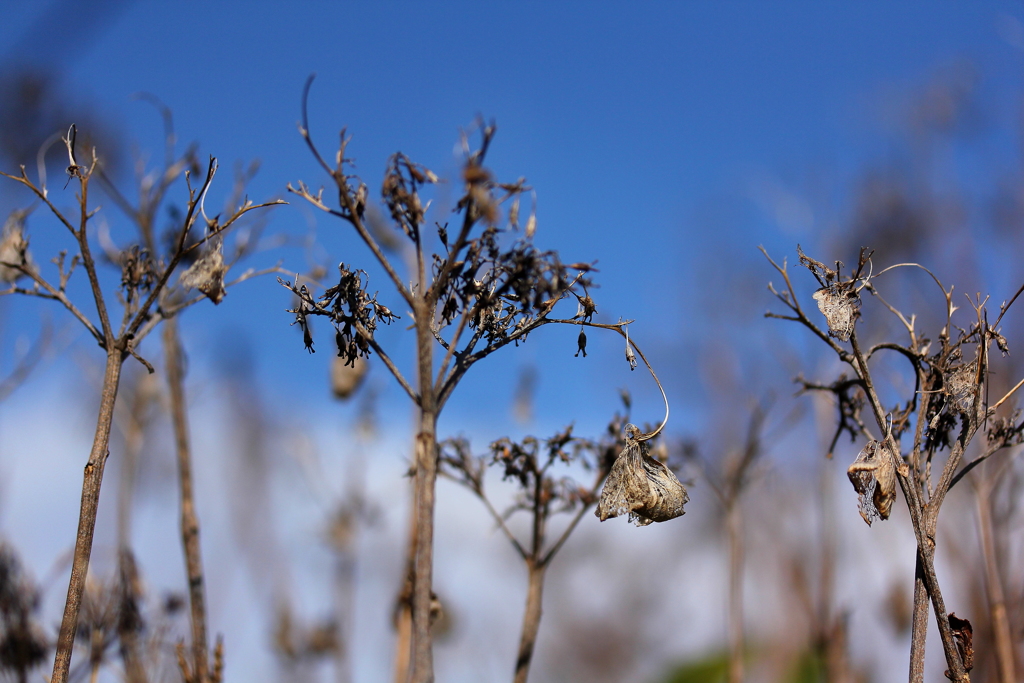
189,519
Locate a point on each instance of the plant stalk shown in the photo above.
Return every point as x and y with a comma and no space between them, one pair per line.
189,519
994,585
425,482
531,618
919,624
734,522
92,480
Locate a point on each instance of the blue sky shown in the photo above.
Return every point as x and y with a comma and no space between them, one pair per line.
634,124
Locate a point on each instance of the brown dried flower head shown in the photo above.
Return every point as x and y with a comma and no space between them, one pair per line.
641,486
840,305
873,476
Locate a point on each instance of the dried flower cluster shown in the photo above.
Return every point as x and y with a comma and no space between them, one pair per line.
349,307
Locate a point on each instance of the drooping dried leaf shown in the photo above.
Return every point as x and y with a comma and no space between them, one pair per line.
640,486
839,304
873,476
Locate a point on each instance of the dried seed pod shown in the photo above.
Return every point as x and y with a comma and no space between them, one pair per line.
839,304
581,343
874,479
14,247
347,376
961,385
641,486
207,273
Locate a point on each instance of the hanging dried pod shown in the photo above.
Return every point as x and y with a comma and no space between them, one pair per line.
641,486
839,304
874,479
207,273
347,376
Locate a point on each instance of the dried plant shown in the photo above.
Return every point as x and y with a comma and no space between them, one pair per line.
205,274
143,294
947,409
486,286
532,464
23,645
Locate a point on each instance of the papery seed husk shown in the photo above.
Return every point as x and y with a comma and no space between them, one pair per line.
961,386
207,273
13,247
840,310
640,486
873,476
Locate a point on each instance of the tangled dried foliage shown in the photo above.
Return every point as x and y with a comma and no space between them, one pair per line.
23,645
944,412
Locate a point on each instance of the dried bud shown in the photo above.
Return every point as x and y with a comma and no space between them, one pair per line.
207,273
347,376
641,486
1001,343
361,195
585,309
873,476
513,213
531,226
839,304
963,636
581,341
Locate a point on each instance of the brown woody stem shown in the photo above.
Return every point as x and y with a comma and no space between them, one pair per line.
425,481
531,618
189,519
92,480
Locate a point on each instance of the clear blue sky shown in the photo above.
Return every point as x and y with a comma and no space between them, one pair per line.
630,120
